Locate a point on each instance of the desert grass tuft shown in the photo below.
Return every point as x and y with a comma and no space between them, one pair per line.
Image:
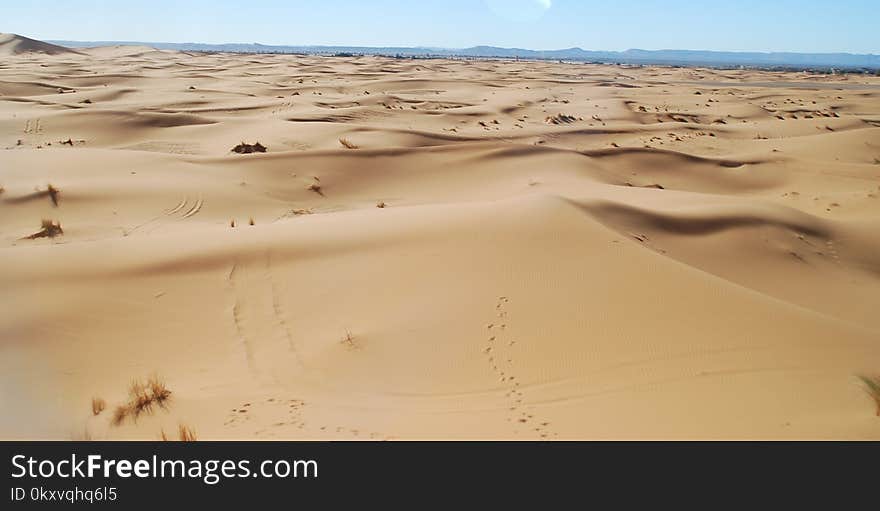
349,340
142,396
159,392
872,387
346,143
120,413
186,433
380,204
98,405
140,400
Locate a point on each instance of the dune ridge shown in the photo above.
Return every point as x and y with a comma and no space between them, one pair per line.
14,44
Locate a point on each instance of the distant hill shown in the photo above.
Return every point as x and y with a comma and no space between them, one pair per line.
841,61
14,44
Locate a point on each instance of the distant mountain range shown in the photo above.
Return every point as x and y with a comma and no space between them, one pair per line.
843,61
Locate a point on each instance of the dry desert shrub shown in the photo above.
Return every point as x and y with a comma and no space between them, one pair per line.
872,387
346,143
141,398
50,229
98,405
186,433
245,148
315,187
53,194
158,391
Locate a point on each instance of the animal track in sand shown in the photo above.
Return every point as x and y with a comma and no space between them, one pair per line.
832,250
499,352
283,412
288,414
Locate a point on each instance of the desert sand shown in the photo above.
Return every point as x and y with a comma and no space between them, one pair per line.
435,249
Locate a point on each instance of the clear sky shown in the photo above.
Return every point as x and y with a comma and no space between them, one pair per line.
752,25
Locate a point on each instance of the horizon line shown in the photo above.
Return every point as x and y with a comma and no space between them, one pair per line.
453,48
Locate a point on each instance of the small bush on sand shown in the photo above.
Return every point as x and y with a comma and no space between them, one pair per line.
346,143
245,148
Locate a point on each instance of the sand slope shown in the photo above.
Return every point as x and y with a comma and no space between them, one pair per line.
564,252
14,44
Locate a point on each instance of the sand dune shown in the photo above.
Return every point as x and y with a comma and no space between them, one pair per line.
436,249
14,44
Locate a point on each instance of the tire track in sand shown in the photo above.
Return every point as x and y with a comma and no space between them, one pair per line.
237,317
194,210
278,311
258,313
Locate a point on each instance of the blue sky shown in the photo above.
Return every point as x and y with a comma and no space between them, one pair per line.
753,25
